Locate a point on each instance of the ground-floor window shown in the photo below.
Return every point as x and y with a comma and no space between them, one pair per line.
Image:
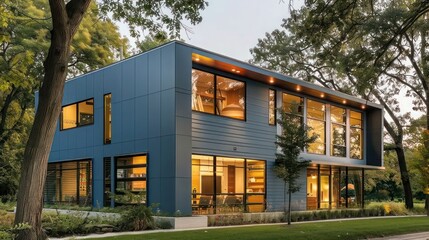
331,187
131,179
69,183
225,184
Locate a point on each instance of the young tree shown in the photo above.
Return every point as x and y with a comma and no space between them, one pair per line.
294,138
66,17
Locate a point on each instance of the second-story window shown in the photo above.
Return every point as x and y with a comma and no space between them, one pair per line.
290,102
316,120
218,95
107,118
272,104
338,131
356,135
77,114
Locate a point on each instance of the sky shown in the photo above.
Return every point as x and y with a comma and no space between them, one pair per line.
233,27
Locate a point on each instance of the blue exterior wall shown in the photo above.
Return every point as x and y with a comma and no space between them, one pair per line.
151,113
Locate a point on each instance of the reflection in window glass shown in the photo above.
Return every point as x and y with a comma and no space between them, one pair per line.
272,106
316,120
203,91
218,95
107,118
255,186
131,178
290,101
69,117
338,131
230,95
77,114
356,136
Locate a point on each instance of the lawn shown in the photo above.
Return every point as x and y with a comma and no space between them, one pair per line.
352,229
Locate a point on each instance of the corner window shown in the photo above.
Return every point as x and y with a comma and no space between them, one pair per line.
356,135
108,118
338,131
272,105
77,114
218,95
316,120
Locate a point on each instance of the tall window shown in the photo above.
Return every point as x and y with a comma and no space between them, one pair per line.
272,105
107,181
338,131
107,118
218,95
356,136
316,120
131,178
77,114
69,182
290,102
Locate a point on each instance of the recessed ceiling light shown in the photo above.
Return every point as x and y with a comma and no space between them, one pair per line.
298,88
363,106
344,101
233,69
322,95
197,59
238,71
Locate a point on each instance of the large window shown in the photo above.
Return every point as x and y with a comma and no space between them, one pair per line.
107,118
338,131
131,179
223,184
316,120
218,95
272,105
356,136
77,114
69,183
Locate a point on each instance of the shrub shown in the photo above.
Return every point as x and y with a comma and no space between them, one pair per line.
137,217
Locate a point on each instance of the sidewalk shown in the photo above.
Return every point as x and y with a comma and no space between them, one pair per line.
411,236
114,234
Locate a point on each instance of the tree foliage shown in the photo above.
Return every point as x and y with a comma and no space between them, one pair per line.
25,42
373,49
294,138
66,21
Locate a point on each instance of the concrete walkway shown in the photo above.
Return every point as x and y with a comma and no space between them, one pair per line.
412,236
115,234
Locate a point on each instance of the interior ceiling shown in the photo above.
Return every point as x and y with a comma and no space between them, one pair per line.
226,67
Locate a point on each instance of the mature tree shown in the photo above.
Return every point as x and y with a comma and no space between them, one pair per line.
66,18
24,44
152,40
294,138
368,48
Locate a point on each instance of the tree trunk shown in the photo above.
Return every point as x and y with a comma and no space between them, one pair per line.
427,204
408,194
34,167
66,18
289,217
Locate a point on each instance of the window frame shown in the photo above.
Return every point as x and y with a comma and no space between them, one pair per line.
338,124
361,128
104,119
217,73
324,121
77,115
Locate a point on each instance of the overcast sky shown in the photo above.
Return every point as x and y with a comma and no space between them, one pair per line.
232,27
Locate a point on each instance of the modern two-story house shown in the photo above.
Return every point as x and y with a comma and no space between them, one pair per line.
194,131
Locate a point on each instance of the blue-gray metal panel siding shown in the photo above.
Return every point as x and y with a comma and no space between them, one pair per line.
143,101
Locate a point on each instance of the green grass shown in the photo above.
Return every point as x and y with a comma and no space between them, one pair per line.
352,229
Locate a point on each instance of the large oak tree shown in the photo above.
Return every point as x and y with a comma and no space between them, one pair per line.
368,48
66,17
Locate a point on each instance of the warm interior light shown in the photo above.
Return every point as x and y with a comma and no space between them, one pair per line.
313,176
